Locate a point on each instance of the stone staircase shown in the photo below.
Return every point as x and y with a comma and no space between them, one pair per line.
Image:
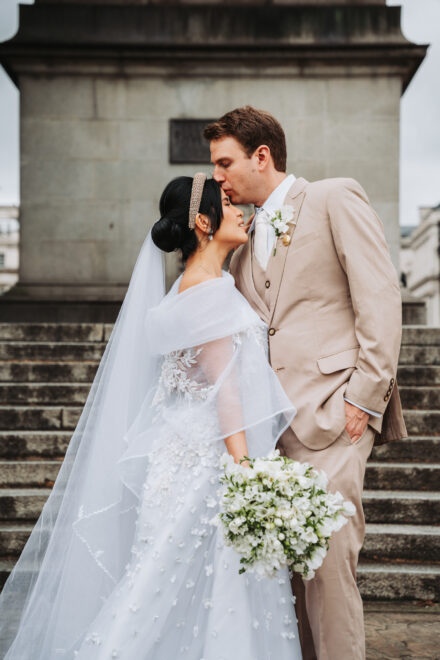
46,370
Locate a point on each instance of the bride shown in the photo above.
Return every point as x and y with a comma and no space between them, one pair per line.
123,561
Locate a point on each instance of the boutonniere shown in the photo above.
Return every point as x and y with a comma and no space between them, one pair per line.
280,221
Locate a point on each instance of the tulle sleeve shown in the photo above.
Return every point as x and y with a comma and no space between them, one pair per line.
218,362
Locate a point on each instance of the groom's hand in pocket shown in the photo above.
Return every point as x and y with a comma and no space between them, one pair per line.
356,421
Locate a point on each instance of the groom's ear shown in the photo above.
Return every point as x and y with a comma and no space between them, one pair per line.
264,157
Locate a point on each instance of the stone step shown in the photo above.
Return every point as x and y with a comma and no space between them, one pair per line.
418,376
413,450
402,476
402,507
93,350
420,336
380,507
84,371
401,542
48,372
411,335
389,542
18,504
39,418
418,422
34,444
419,355
420,398
67,332
53,444
39,351
388,582
41,393
29,474
379,476
383,581
13,537
422,422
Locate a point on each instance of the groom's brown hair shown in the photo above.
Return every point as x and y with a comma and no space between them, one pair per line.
251,128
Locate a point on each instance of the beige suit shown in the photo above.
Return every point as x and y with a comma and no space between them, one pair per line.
332,302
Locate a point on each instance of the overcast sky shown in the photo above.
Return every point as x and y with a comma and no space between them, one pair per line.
420,116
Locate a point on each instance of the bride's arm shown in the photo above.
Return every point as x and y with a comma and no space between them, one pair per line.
217,362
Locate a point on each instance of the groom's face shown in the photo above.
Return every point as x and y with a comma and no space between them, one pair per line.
236,172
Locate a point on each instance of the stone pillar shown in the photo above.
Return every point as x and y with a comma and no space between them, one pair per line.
99,82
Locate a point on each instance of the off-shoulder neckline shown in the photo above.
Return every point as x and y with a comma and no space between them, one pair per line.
175,288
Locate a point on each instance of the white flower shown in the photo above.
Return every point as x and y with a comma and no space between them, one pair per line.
349,508
277,513
282,218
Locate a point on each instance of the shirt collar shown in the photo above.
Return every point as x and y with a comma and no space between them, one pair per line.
276,198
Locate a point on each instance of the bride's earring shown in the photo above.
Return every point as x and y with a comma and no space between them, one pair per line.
210,235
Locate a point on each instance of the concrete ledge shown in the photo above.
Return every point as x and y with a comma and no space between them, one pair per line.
367,36
31,311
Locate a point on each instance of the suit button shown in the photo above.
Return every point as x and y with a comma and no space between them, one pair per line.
267,284
272,331
386,397
392,381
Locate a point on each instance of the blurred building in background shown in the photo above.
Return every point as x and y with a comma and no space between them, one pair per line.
9,247
420,263
114,95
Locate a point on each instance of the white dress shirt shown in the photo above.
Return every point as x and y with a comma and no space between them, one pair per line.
274,202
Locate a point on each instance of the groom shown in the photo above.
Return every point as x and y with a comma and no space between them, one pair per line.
324,283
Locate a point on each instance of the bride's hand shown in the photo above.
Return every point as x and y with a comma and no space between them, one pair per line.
248,223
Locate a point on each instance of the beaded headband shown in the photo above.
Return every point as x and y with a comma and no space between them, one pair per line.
196,197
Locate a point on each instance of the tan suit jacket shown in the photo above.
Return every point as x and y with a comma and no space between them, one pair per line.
334,311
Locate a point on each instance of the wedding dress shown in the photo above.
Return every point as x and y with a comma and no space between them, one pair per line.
123,562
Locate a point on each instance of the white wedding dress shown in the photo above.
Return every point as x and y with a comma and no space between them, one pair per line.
182,595
123,562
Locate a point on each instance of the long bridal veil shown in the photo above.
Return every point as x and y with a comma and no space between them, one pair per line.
54,572
169,363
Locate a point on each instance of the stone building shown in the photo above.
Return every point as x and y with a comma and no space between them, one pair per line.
101,80
9,247
420,263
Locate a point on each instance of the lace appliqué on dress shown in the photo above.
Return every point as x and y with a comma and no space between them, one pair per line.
174,377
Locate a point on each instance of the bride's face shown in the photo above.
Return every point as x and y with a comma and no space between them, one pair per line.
231,230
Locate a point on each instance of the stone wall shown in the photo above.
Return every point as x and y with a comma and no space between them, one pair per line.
94,155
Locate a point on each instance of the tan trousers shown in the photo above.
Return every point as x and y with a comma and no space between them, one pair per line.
329,607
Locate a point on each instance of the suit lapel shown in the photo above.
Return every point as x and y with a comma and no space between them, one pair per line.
295,197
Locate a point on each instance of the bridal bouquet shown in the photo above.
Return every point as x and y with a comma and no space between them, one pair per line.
277,512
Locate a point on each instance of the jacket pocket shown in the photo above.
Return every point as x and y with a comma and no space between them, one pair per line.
338,361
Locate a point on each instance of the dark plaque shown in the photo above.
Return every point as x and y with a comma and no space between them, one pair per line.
187,144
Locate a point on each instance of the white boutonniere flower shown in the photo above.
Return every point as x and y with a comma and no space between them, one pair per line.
281,220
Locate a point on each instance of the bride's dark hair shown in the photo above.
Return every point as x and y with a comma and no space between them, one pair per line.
171,231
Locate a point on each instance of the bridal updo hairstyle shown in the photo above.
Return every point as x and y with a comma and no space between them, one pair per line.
171,231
